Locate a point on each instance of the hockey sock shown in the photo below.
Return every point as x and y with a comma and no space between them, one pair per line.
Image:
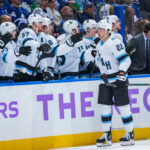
106,117
127,118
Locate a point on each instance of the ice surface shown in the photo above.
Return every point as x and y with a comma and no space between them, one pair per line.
139,145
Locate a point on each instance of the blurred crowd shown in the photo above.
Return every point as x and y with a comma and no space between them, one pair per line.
43,25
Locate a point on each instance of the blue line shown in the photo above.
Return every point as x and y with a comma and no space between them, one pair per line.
4,57
42,82
64,81
109,115
110,79
126,117
120,55
139,76
106,122
124,59
18,66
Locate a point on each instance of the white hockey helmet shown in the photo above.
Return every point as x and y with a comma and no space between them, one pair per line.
113,18
69,25
89,24
105,24
34,18
7,27
46,22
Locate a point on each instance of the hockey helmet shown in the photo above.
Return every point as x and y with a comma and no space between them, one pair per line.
113,18
46,22
7,27
34,18
69,25
89,24
105,24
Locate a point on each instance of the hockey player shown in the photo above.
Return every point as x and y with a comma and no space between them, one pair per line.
114,62
68,64
28,37
89,69
45,35
7,56
48,60
116,26
7,52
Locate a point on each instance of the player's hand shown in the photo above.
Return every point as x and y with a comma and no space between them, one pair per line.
104,78
47,76
25,50
6,38
75,38
45,48
96,40
94,53
121,79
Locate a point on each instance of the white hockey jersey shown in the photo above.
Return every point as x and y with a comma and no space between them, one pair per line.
112,58
88,50
47,62
117,36
68,62
7,60
61,39
46,38
26,64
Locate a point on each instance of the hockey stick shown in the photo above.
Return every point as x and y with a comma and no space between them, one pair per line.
59,65
130,84
138,84
105,79
92,70
40,58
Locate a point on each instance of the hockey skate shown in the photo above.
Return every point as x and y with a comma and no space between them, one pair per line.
105,140
128,139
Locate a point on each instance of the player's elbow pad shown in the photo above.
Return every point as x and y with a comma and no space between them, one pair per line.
125,65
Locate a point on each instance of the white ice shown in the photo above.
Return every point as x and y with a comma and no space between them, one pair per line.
139,145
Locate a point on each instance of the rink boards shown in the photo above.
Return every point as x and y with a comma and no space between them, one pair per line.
41,115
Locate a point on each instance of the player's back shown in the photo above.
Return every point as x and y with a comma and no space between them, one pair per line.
70,61
8,58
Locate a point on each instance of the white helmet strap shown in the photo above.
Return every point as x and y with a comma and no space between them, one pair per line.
106,34
35,28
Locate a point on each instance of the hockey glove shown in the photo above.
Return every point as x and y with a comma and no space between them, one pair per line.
93,53
74,39
5,39
121,79
105,79
47,76
45,48
61,60
96,40
26,50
